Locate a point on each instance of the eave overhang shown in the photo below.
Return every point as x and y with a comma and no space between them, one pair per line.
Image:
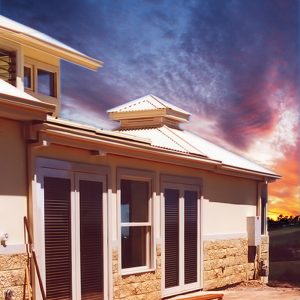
22,109
63,53
112,143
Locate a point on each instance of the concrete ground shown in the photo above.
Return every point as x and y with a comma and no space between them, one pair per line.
265,292
253,291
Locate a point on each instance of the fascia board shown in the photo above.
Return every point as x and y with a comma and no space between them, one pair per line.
74,57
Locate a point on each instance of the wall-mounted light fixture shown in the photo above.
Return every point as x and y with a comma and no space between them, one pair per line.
3,239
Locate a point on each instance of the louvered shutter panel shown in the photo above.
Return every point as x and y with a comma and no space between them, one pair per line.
57,208
190,237
171,238
91,240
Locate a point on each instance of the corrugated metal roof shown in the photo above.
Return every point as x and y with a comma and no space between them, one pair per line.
80,126
187,142
149,102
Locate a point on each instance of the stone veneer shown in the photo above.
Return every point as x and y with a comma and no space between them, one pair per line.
227,262
12,274
264,254
146,285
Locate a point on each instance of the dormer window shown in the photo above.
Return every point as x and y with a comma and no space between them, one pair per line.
46,83
40,79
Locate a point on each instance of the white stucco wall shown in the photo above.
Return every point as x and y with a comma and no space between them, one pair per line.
13,199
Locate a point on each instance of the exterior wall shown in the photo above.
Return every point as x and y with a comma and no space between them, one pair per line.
146,285
229,200
226,262
264,255
12,275
13,190
226,198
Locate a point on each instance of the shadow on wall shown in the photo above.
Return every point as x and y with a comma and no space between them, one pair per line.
229,189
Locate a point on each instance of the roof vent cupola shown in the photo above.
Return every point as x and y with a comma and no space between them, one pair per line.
148,112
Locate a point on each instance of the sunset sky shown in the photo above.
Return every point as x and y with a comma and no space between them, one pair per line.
233,64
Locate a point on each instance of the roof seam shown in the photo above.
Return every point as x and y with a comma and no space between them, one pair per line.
186,150
186,141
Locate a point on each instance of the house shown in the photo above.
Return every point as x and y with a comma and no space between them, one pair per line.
142,212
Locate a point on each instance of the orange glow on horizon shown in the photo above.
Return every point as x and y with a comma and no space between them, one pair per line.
284,195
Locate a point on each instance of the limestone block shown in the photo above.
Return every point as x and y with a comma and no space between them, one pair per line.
13,261
115,254
117,279
128,279
115,266
158,274
264,248
18,292
265,239
12,278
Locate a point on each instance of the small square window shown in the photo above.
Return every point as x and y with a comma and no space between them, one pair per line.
28,78
46,83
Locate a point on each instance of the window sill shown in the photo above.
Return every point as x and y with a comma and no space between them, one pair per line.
134,271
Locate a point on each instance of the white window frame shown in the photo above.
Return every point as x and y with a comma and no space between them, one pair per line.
38,65
181,184
31,88
263,207
144,176
75,172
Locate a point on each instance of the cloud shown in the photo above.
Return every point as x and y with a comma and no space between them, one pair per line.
233,64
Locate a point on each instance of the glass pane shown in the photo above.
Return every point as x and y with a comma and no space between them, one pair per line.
91,240
134,246
134,201
46,83
27,78
190,236
171,238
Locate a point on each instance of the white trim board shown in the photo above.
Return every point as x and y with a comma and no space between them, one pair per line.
13,249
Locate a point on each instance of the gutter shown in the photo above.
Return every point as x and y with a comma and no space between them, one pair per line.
27,103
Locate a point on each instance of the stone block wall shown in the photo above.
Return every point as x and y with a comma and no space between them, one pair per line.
226,262
12,274
264,250
146,285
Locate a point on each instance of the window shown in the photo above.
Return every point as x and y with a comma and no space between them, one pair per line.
136,227
8,66
28,77
70,229
46,82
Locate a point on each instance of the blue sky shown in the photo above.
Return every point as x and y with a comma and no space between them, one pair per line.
233,64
